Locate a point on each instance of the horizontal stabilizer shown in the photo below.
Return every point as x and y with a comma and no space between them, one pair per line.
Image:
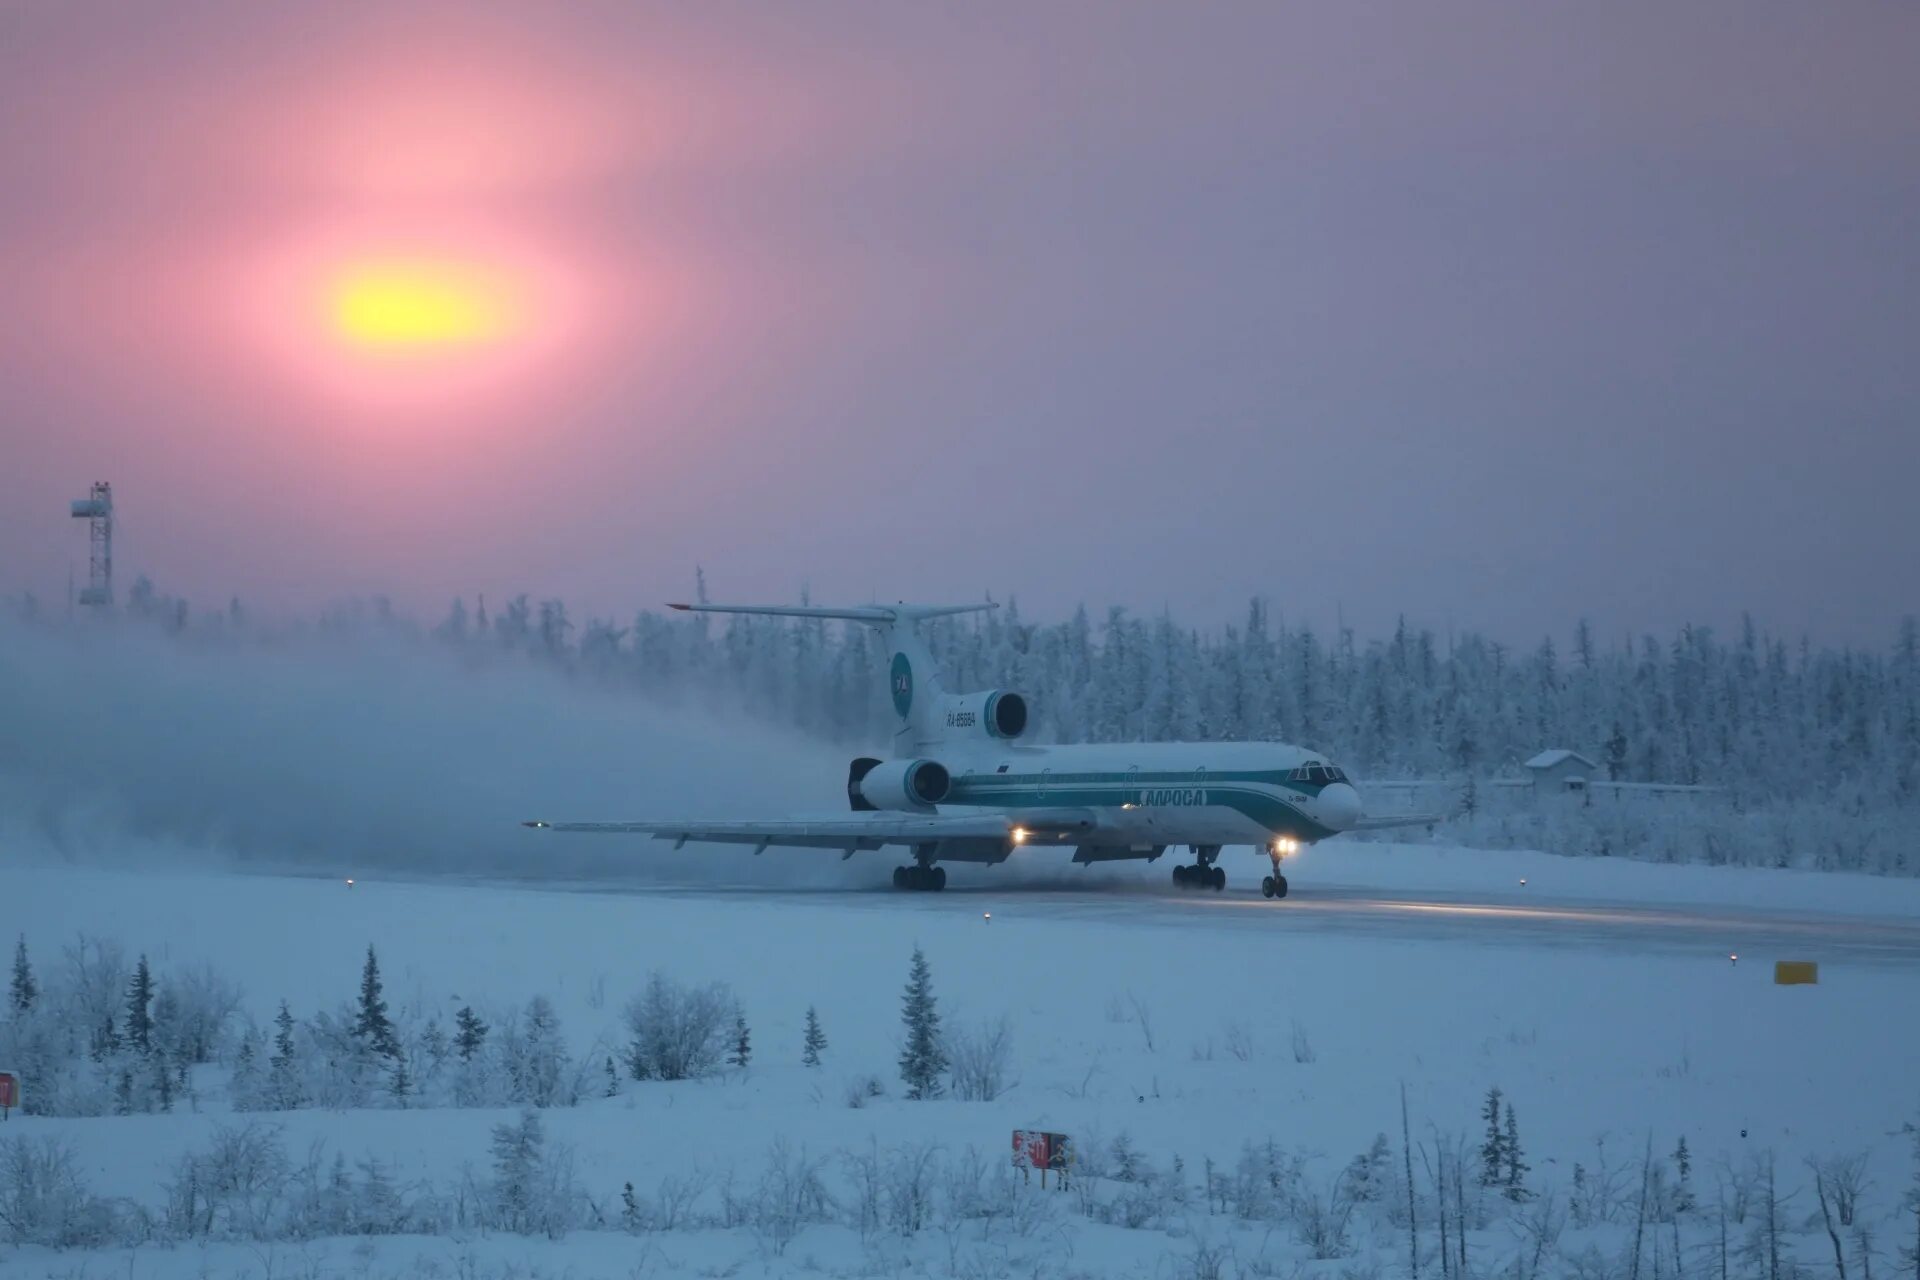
877,614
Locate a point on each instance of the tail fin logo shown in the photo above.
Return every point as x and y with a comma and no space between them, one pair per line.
901,679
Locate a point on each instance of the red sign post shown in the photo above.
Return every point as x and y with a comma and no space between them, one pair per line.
9,1092
1038,1149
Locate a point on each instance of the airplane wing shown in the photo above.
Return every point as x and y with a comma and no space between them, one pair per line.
847,834
1387,821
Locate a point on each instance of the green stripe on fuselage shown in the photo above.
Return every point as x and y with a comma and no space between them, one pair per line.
1244,792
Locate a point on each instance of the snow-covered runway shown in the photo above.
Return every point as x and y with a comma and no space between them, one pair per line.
1420,893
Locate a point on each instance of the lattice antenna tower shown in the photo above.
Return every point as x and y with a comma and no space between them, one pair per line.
97,510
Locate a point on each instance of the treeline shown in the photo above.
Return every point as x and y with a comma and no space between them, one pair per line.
1772,720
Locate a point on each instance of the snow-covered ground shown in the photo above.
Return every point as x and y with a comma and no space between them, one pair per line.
1192,1037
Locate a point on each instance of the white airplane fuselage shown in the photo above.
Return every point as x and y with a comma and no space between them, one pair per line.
1153,794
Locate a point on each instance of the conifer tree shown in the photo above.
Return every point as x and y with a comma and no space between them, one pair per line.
923,1059
469,1032
24,990
1517,1169
1683,1166
283,1075
139,1026
816,1039
372,1025
742,1051
283,1034
1493,1150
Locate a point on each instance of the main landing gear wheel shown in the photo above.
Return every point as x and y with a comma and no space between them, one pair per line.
1274,886
923,879
1200,876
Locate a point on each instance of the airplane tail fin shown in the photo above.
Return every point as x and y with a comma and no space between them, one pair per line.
913,680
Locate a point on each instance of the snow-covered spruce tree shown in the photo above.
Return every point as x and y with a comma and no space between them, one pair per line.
1493,1149
741,1051
371,1025
1683,1199
469,1033
138,1027
923,1059
1517,1168
400,1082
816,1039
285,1091
247,1082
1368,1176
533,1187
23,990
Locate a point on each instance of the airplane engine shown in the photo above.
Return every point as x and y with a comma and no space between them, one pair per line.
897,784
998,713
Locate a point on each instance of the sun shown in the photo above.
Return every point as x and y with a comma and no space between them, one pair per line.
415,305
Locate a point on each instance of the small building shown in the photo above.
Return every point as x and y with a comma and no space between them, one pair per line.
1561,770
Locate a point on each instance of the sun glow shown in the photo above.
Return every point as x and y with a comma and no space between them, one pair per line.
414,305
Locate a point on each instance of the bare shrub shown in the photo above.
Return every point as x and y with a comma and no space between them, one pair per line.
864,1089
980,1057
1302,1047
791,1196
1238,1038
233,1189
679,1033
1321,1218
44,1199
1142,1017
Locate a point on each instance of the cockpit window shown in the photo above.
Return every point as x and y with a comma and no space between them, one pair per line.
1318,774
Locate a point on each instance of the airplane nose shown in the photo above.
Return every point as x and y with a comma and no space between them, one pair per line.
1339,806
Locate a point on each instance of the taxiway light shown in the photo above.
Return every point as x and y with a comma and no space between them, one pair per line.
986,915
1734,958
1523,882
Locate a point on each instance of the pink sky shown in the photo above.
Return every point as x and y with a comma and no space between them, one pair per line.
1493,315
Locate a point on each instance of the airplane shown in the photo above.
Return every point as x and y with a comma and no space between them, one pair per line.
961,784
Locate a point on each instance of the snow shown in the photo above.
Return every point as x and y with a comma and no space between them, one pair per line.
1116,1029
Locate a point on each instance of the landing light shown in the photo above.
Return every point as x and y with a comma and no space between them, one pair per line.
1019,835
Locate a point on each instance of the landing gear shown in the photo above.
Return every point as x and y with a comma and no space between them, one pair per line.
1275,885
1201,873
920,877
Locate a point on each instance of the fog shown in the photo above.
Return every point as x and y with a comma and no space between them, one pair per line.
367,755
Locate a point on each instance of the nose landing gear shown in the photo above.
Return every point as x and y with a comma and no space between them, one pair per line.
1201,873
1275,885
